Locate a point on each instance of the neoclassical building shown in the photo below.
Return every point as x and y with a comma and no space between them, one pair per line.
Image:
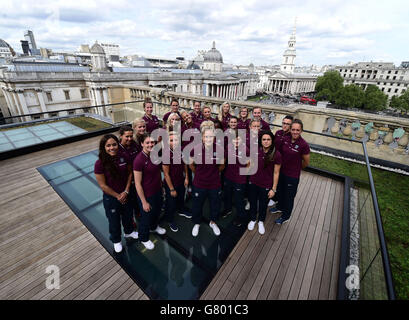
213,60
33,87
286,81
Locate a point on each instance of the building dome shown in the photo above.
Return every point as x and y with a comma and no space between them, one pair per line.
213,55
193,66
96,48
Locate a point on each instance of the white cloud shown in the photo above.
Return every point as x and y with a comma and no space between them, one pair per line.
247,31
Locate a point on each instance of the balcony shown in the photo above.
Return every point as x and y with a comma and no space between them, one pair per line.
335,225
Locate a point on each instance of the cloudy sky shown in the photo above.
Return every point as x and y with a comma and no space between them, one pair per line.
328,32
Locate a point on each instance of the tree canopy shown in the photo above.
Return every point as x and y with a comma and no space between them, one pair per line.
328,85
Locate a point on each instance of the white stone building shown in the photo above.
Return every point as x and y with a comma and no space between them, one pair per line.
386,76
213,60
5,51
286,81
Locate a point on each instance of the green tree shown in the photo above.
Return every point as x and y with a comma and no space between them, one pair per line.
328,86
401,102
374,98
350,96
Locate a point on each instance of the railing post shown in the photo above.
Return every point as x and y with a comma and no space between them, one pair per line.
381,235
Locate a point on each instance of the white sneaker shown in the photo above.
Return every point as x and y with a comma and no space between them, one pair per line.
271,203
195,230
118,247
215,228
261,229
251,225
148,245
247,206
133,235
159,230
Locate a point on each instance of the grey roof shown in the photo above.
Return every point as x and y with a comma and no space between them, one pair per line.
213,55
46,67
3,44
96,48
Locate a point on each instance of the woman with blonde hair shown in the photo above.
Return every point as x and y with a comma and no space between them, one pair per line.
206,125
139,129
173,121
243,121
224,115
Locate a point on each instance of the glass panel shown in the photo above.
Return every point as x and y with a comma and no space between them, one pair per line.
21,136
28,142
4,139
54,136
180,266
6,146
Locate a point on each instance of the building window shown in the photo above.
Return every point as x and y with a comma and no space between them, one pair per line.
35,117
387,77
389,72
389,90
383,89
394,77
83,94
401,78
67,94
54,114
396,72
396,90
49,96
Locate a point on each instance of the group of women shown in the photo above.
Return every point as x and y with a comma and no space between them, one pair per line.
132,184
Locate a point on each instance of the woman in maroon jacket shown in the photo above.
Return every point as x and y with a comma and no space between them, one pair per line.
113,173
263,184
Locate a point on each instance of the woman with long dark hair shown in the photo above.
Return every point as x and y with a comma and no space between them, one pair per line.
263,184
113,173
296,156
148,185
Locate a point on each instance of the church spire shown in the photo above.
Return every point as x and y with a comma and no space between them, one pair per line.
289,55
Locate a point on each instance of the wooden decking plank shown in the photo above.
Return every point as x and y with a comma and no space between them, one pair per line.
336,257
314,232
245,289
269,270
319,263
35,239
214,287
280,287
247,265
281,235
326,276
36,289
26,278
127,286
105,289
37,255
75,278
312,258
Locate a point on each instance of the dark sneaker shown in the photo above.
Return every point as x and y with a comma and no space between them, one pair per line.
281,221
274,210
185,214
173,227
225,213
237,223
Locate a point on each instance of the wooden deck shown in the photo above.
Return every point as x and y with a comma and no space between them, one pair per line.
37,229
298,260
